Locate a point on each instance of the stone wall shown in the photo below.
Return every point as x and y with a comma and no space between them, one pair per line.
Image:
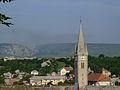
38,88
102,88
60,88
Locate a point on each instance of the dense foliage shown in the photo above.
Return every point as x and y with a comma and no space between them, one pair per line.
3,17
29,65
117,83
110,63
95,63
1,80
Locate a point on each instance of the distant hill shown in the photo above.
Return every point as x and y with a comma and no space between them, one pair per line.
7,49
67,49
62,49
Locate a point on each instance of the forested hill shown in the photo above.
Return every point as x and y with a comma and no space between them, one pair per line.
62,49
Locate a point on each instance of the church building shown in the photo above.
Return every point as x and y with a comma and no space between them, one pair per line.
81,61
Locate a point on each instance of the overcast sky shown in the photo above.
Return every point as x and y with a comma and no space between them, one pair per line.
57,21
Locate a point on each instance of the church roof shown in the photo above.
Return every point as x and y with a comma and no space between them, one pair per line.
98,77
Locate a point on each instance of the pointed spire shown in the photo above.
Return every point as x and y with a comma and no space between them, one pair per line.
80,43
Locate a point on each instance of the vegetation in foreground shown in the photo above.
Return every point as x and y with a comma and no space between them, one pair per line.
95,63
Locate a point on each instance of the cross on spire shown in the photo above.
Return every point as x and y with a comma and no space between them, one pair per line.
80,20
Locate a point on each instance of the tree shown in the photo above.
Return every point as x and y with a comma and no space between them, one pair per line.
18,83
6,1
1,80
117,83
27,78
3,17
60,83
101,55
49,83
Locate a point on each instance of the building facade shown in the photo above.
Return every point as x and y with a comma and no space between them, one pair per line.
81,61
44,80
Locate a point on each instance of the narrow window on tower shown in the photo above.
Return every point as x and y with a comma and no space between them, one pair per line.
82,65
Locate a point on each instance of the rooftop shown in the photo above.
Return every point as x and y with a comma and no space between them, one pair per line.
98,77
48,77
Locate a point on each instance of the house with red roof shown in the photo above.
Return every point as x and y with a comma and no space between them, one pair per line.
65,70
98,79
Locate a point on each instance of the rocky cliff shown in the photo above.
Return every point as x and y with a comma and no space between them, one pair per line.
14,50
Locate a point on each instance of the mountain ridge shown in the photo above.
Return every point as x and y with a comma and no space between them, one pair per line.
57,49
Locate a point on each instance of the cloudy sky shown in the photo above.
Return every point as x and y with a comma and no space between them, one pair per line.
57,21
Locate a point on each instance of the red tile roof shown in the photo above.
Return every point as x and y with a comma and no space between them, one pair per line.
67,68
98,77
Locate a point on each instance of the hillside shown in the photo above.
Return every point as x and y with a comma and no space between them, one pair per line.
62,49
7,49
67,49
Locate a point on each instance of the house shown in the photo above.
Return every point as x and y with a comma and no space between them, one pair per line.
90,71
71,76
98,79
10,81
53,74
46,63
8,75
20,76
44,80
63,71
17,71
9,58
106,72
34,72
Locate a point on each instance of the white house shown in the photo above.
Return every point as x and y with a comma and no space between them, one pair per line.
34,72
8,75
9,58
65,70
46,63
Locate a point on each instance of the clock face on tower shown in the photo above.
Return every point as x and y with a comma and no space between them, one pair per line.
82,57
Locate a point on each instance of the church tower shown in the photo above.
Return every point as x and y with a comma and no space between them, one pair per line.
81,61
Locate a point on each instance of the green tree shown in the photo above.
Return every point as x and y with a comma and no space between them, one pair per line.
3,18
60,83
67,82
27,78
49,83
117,83
6,1
1,80
101,55
18,83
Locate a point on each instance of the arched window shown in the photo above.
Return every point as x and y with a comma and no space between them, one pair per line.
82,65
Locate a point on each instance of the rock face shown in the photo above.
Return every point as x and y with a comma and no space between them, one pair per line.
14,50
